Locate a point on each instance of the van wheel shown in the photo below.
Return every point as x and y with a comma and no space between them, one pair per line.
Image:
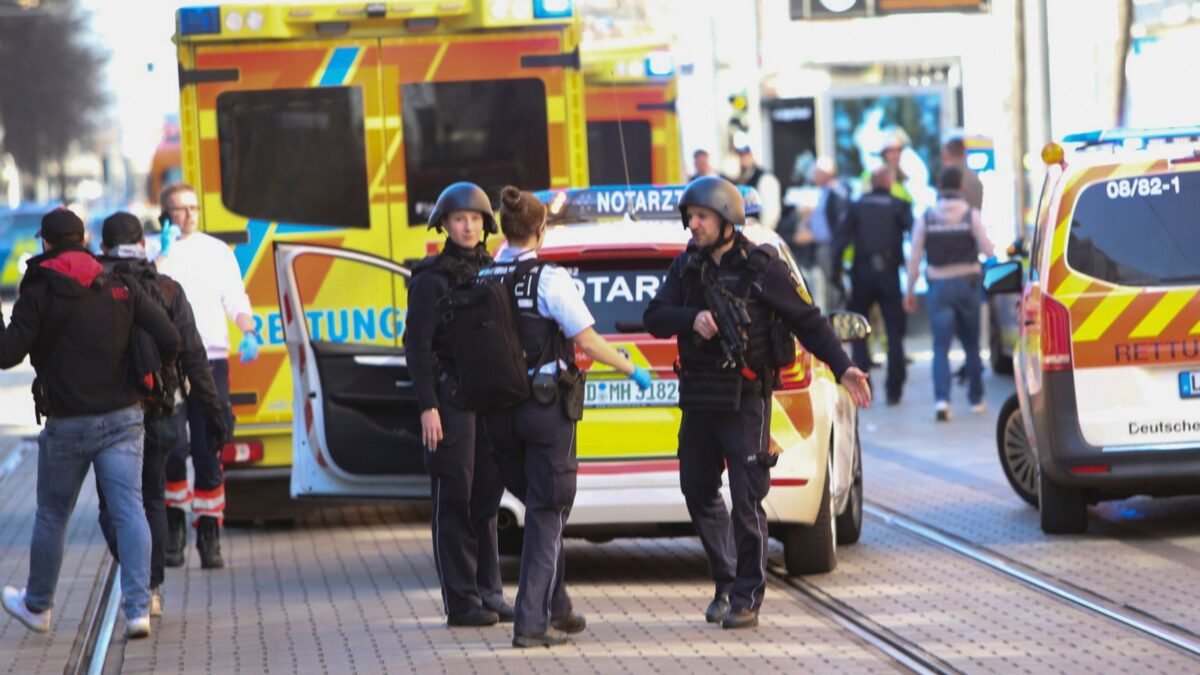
1063,509
1016,457
812,549
849,523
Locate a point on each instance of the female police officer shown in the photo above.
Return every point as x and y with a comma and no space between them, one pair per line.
465,480
536,439
726,407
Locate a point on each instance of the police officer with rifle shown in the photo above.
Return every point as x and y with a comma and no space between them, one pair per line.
465,480
733,308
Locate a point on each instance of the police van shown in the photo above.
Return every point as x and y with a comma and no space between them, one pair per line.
355,403
1108,359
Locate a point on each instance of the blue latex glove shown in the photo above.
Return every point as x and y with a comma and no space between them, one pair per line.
248,347
642,377
170,233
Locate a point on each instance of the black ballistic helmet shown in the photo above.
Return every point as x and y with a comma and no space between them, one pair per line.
463,196
717,194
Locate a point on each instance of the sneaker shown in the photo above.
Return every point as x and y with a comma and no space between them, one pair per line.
979,408
717,609
137,628
505,611
14,603
740,618
474,617
156,601
570,624
551,638
942,411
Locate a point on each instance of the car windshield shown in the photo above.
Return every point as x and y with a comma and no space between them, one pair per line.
1141,231
618,291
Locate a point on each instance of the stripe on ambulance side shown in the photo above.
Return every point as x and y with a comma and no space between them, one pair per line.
337,69
1103,316
1171,304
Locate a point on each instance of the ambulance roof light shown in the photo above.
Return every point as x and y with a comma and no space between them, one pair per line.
660,64
199,20
1121,135
552,9
641,202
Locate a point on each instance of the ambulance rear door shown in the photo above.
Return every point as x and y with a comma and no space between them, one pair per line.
287,141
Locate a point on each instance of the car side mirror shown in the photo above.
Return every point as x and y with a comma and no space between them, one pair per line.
1005,277
849,326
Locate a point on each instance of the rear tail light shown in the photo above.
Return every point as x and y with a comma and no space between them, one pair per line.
1056,335
242,452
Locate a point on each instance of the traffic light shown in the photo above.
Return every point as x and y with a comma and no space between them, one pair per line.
740,105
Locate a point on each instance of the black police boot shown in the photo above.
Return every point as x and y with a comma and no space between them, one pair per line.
551,638
505,611
740,618
478,616
208,543
570,624
717,609
176,544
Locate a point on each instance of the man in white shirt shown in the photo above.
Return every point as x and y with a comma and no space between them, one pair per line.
210,276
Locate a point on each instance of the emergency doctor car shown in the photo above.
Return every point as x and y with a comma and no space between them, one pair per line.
355,404
1108,361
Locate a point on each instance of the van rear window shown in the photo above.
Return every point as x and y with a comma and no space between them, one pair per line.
294,156
1141,231
617,292
619,153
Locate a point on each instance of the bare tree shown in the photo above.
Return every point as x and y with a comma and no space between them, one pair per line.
51,86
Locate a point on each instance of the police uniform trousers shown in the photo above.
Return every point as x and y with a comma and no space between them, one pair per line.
163,436
709,442
881,287
466,487
536,447
209,496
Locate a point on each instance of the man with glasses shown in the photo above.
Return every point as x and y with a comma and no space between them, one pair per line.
209,273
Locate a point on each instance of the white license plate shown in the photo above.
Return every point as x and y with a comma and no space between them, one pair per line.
625,394
1189,384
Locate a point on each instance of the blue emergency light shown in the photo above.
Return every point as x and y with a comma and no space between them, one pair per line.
660,64
643,202
552,9
1116,136
199,20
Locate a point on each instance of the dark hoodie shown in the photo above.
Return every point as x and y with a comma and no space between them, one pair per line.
192,355
425,343
74,323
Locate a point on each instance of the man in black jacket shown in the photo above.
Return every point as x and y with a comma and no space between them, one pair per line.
124,254
75,323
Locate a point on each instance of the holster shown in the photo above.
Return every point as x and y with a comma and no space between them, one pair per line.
712,390
573,386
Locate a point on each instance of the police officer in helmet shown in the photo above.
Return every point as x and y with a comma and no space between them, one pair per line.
726,403
465,480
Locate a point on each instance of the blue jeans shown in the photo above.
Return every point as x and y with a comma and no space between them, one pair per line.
67,447
954,308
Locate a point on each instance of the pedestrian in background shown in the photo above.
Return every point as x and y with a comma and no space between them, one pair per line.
727,420
763,181
954,155
123,250
951,236
536,439
465,480
75,323
208,272
875,226
702,164
823,223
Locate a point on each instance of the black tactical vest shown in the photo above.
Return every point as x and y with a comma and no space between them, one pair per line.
744,278
949,243
457,269
541,338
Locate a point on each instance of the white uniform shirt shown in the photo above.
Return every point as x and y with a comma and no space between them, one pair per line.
558,297
208,271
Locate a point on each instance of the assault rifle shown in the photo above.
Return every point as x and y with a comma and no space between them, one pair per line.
733,320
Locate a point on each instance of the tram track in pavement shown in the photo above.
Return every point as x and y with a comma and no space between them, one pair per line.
1073,595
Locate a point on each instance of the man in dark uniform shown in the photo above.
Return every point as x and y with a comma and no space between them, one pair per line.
726,406
124,253
875,226
465,479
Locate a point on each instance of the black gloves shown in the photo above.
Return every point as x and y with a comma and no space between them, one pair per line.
216,430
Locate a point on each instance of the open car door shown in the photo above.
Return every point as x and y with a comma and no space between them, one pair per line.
356,428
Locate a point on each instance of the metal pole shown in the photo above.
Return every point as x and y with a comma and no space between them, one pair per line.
1020,122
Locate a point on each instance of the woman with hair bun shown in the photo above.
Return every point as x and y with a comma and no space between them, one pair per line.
536,439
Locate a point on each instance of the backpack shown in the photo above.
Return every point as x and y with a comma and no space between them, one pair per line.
158,385
480,318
